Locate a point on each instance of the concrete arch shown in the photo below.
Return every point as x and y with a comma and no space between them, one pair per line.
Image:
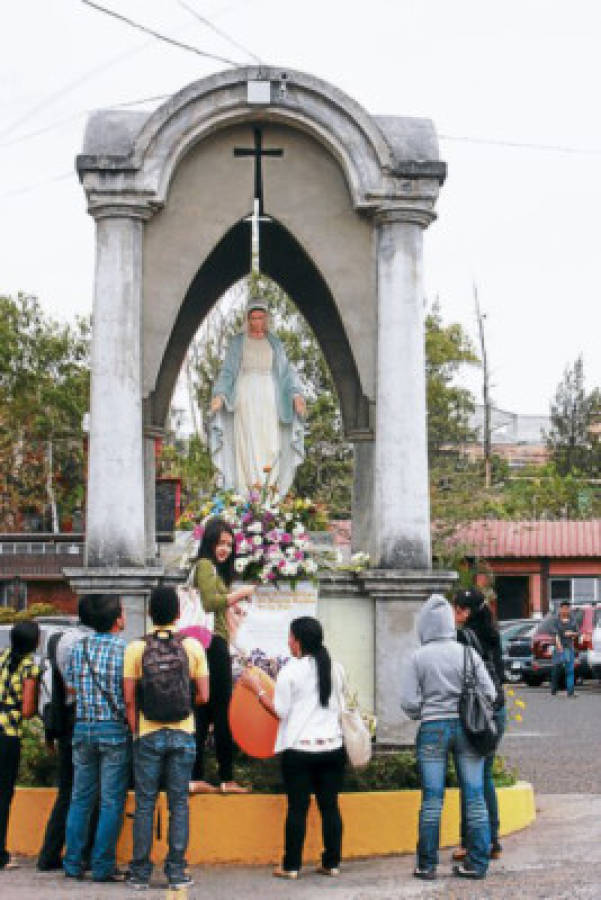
285,261
326,113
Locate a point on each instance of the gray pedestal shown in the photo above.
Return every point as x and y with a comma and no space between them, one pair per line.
132,585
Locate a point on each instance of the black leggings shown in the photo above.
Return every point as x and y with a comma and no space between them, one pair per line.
10,754
216,711
320,773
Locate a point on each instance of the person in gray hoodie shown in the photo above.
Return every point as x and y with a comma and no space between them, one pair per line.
430,690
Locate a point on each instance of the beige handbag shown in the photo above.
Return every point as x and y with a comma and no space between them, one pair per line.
355,733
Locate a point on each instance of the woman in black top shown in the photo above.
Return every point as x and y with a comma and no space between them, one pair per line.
477,629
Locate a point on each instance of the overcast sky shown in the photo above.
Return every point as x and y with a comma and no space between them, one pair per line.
522,222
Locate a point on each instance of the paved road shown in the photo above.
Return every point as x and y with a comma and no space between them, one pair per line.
556,746
559,857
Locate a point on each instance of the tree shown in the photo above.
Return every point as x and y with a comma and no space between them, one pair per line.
44,388
449,406
569,440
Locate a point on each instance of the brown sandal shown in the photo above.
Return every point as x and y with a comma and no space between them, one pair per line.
459,854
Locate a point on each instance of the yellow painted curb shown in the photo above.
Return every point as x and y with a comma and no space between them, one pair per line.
249,828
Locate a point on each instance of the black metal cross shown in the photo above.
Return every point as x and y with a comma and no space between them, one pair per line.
257,151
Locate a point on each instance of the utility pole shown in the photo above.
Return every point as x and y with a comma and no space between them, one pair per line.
485,393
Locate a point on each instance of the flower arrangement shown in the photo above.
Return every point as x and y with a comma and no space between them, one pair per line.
271,539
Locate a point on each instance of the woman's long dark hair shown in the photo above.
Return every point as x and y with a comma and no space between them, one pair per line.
480,619
309,633
24,638
214,528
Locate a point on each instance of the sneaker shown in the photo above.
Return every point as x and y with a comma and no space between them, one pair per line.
495,850
459,854
137,883
290,874
334,872
182,881
12,863
425,874
77,876
464,870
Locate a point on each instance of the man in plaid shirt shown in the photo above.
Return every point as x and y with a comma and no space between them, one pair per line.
101,741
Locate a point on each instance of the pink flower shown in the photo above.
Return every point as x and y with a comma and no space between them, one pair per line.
198,532
271,576
299,555
286,538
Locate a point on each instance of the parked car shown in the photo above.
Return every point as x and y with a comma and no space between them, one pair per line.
516,644
543,645
593,655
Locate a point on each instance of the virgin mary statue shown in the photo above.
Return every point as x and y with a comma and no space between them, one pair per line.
256,431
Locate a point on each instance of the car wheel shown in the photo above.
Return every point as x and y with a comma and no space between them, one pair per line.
533,680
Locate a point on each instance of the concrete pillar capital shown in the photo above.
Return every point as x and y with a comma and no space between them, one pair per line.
123,208
404,213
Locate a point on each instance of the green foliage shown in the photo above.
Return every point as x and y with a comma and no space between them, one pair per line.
44,386
38,764
449,407
390,771
9,615
573,440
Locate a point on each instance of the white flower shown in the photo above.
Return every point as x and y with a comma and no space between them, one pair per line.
310,566
258,555
254,528
240,564
244,546
257,540
298,529
290,568
288,517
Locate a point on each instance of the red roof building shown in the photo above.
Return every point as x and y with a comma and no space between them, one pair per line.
537,563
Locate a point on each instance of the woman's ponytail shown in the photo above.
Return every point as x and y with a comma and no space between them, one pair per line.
309,633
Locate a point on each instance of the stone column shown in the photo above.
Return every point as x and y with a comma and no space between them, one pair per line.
150,437
401,491
115,500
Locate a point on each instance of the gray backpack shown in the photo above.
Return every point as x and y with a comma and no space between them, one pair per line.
165,690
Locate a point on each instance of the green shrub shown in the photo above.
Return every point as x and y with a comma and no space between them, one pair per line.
38,764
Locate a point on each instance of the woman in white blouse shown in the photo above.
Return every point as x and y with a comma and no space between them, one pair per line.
310,740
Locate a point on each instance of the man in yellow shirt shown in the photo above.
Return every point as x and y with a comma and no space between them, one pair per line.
164,677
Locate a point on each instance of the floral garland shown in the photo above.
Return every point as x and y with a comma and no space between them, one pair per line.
271,539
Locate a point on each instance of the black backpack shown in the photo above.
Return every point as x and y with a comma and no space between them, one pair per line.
164,690
55,713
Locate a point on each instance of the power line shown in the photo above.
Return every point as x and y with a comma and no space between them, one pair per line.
158,35
519,145
219,31
34,187
71,86
82,112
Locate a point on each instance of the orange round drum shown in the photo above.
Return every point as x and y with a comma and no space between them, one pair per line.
252,727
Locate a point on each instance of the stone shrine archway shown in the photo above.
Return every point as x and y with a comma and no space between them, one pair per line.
349,197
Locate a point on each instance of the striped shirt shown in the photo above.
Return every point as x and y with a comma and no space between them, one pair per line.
95,672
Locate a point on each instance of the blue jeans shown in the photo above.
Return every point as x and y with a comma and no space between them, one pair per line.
434,742
490,793
101,766
563,658
172,753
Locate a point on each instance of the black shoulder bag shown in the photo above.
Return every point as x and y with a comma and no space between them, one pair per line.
476,710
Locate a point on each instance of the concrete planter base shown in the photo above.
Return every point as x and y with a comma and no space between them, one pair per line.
249,829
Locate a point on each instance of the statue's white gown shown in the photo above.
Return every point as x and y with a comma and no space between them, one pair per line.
256,424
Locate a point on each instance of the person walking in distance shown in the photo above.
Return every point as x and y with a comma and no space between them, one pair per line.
18,692
565,628
165,676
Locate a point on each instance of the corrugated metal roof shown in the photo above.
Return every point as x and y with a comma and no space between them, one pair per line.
501,538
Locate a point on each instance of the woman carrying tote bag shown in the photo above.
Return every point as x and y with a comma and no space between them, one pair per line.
310,740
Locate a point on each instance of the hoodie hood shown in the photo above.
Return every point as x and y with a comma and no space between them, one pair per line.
436,621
